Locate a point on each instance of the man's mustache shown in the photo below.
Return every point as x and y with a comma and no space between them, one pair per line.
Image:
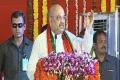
104,47
62,24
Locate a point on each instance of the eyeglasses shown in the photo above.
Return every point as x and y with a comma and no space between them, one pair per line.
59,17
14,25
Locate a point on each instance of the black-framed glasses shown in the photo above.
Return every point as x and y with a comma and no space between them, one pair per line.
19,25
59,17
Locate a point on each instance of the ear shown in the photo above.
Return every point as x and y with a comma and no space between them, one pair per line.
49,19
24,26
94,46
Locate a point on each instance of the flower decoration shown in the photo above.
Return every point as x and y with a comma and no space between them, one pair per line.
69,65
44,12
35,15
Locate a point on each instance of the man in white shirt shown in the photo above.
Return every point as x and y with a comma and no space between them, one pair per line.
55,39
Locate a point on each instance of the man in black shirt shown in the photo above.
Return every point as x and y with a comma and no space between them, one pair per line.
15,52
108,65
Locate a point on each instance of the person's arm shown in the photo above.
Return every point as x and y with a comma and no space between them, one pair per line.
117,69
38,51
32,63
33,60
87,41
1,58
77,43
88,36
1,62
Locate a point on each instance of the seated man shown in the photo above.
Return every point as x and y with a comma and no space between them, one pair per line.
54,39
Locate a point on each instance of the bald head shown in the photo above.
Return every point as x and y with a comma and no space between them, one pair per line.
57,19
55,8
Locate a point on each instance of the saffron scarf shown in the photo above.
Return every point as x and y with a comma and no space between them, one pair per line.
40,74
68,47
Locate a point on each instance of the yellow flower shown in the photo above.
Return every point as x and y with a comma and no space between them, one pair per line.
44,12
35,14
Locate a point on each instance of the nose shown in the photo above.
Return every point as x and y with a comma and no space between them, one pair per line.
104,44
62,23
17,28
104,41
62,20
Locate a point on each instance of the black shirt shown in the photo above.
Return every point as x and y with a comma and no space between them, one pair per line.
109,68
11,59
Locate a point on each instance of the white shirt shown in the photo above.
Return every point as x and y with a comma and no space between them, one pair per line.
40,50
58,42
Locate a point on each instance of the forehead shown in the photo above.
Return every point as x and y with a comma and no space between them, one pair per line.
56,10
101,37
18,19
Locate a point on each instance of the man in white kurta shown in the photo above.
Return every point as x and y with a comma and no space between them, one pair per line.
57,27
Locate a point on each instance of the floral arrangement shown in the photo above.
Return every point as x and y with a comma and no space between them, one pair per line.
35,16
72,65
44,12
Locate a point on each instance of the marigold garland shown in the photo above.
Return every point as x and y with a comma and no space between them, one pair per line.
84,17
66,14
80,24
112,2
44,12
35,15
103,5
30,20
76,5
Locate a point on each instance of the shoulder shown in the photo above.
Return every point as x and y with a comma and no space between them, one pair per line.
76,39
41,35
4,46
40,39
28,40
112,58
70,34
6,43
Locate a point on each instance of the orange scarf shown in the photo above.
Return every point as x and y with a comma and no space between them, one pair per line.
66,43
40,74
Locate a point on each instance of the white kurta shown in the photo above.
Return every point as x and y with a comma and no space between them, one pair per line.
40,50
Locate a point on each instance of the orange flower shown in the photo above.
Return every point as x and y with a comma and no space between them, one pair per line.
40,74
96,76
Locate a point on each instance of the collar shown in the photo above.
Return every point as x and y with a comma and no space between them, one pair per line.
25,41
58,35
106,57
